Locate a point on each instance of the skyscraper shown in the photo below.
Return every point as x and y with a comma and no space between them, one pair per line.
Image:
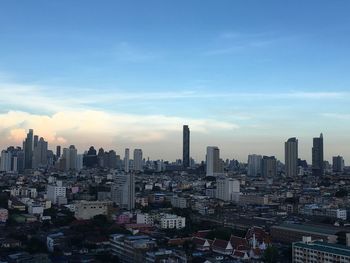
213,160
28,150
291,157
58,151
126,160
317,156
254,164
40,154
338,164
5,161
123,191
269,166
186,147
138,166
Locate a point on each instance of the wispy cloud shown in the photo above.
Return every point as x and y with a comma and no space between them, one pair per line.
232,42
127,52
338,116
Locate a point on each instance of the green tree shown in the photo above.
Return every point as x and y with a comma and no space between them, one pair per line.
270,255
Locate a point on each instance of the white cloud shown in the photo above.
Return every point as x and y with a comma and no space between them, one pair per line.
82,127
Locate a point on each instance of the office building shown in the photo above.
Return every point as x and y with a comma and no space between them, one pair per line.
291,157
127,160
186,147
227,189
138,162
123,191
338,164
213,160
269,166
69,158
254,165
28,150
317,156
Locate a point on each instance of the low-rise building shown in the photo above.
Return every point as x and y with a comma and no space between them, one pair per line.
169,221
4,215
88,209
318,251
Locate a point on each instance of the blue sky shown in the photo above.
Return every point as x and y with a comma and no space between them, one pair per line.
245,75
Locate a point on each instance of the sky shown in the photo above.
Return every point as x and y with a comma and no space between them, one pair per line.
245,75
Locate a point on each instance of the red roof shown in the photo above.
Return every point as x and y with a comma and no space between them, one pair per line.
239,243
219,243
199,241
202,233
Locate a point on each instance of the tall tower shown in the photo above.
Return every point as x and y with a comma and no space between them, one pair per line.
123,191
126,160
186,147
28,150
138,166
213,160
40,154
291,157
268,166
58,151
317,156
254,164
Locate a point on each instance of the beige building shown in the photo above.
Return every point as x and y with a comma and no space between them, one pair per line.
88,209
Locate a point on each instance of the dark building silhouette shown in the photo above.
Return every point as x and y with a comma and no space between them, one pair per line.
186,147
28,150
291,157
317,156
58,151
268,166
90,158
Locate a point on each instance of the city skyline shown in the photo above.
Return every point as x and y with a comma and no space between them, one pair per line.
131,79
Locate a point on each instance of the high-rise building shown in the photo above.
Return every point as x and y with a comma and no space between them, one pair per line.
254,165
186,147
28,150
338,164
36,140
40,154
138,163
5,161
127,160
213,160
58,151
269,166
291,157
69,158
227,189
123,191
317,156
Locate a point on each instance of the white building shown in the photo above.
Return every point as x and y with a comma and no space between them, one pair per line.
138,163
169,221
319,251
35,209
144,219
177,201
213,160
85,210
56,192
227,189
